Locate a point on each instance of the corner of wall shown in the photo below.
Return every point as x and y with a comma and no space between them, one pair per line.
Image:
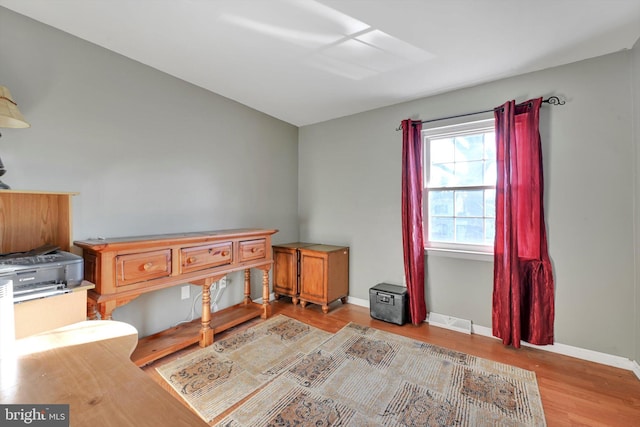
635,87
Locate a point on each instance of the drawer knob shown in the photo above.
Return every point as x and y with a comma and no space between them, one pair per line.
224,253
191,260
147,266
254,250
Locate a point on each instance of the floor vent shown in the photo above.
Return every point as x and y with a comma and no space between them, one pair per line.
449,322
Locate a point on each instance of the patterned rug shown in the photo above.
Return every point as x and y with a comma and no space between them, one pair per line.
215,378
366,377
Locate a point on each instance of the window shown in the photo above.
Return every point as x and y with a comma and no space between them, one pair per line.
460,187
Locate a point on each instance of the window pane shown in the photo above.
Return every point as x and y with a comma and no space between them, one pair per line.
469,173
442,175
490,172
469,147
441,203
490,145
490,203
441,150
470,230
441,229
490,231
470,203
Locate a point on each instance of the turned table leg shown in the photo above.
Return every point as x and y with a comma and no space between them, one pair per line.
247,286
92,310
266,306
206,333
106,309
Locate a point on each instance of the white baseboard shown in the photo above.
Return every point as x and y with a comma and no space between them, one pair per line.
636,369
358,301
577,352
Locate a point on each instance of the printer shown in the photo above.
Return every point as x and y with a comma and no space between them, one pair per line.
41,272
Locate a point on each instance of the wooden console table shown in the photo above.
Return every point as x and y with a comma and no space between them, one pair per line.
127,267
86,365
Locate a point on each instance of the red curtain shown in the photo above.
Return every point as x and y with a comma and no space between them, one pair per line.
523,289
412,237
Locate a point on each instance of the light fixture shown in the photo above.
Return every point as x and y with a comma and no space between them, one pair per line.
10,117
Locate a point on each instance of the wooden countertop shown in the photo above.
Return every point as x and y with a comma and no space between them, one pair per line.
99,244
87,366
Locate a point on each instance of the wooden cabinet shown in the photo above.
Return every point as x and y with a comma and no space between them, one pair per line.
29,219
324,275
126,267
286,269
311,273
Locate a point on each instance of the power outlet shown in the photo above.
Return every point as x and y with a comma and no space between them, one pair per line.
185,292
222,283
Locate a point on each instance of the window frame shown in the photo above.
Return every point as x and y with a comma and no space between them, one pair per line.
458,250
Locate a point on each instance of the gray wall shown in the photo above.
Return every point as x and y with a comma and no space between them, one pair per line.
349,193
635,77
148,153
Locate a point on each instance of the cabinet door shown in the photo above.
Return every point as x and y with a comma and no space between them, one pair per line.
285,271
313,276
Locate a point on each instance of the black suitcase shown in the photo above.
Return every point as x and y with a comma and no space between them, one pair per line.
389,303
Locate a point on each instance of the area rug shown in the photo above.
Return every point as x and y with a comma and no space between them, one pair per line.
367,377
215,378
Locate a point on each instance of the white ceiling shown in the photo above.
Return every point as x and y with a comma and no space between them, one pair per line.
306,61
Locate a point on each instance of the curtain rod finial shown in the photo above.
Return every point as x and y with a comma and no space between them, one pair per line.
554,100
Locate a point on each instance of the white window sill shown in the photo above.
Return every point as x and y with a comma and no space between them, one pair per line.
461,254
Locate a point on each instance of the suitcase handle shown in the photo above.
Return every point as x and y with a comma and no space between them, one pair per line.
384,298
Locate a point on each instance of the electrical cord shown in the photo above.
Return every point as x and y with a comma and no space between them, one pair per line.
215,298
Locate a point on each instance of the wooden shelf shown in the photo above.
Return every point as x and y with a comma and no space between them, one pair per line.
234,315
163,343
34,218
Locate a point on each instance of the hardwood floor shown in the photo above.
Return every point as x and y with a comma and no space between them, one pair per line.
574,392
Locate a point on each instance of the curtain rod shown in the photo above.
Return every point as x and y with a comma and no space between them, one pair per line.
552,100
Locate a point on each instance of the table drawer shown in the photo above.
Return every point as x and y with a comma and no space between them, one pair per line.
203,257
138,267
252,249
